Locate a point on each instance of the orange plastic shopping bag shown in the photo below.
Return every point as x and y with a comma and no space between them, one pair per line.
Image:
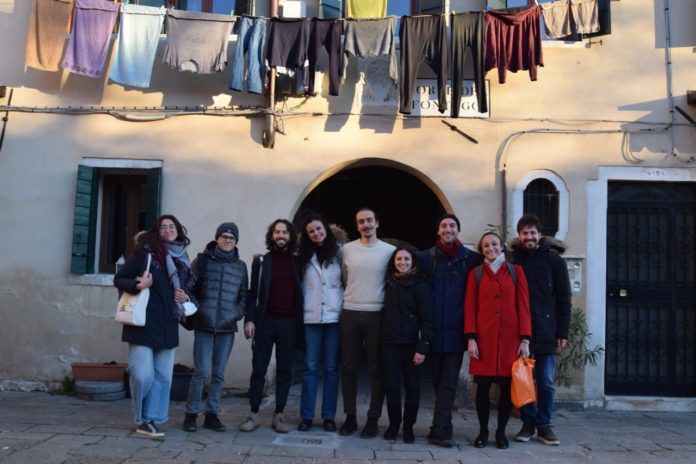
523,391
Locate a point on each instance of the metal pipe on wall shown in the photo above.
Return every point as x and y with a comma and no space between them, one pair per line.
269,131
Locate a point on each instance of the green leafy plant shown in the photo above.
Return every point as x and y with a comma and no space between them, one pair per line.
67,387
577,353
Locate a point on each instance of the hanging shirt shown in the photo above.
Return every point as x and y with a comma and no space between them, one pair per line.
48,25
288,43
90,37
369,38
366,8
513,41
196,41
138,37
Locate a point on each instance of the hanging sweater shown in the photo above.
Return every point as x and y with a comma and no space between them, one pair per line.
513,41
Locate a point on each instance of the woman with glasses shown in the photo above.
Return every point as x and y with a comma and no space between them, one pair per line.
151,347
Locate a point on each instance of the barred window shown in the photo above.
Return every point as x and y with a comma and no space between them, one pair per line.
541,198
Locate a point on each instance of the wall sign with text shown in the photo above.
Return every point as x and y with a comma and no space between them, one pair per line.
424,101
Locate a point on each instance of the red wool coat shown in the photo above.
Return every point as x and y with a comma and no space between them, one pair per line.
497,314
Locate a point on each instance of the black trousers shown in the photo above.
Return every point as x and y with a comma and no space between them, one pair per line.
444,369
281,333
356,327
400,370
467,32
483,401
423,38
326,33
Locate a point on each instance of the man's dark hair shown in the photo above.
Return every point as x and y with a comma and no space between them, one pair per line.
529,220
292,241
367,208
326,253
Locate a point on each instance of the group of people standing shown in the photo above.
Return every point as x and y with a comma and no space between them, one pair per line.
331,299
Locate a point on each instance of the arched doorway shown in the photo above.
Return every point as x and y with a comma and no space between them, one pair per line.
406,201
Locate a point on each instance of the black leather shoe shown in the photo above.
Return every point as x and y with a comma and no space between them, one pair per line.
213,423
305,424
391,432
371,428
350,425
190,422
481,441
501,441
409,436
329,425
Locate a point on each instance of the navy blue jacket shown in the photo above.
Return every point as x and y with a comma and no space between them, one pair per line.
448,280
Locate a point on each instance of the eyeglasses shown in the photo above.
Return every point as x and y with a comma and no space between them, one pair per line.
168,227
229,238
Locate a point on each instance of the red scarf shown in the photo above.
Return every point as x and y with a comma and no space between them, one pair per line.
449,250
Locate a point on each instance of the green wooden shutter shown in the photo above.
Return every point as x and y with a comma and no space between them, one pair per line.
154,195
85,221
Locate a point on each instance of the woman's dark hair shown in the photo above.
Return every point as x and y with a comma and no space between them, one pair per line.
151,236
292,241
411,250
479,248
326,253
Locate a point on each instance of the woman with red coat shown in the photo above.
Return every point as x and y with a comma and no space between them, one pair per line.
498,326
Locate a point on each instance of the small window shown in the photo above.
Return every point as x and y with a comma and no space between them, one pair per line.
541,198
112,204
239,7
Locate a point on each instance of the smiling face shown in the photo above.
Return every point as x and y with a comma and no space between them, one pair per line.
167,230
403,261
316,232
529,236
281,235
448,231
226,242
367,224
490,247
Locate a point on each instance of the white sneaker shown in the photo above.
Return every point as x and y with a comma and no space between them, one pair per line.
148,428
279,424
250,424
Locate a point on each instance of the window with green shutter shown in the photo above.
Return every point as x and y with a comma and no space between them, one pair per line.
112,205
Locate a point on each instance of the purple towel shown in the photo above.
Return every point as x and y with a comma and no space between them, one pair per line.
90,37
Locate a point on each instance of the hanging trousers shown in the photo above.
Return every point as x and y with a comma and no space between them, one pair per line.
423,38
326,33
467,32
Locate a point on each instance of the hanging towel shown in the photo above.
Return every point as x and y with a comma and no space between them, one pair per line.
90,37
369,38
366,8
325,33
138,38
47,28
556,19
513,41
197,41
586,15
467,32
422,38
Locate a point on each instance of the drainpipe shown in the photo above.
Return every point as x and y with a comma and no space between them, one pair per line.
668,69
269,131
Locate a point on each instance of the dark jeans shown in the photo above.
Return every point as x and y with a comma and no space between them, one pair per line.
399,370
467,32
282,333
356,327
539,413
444,368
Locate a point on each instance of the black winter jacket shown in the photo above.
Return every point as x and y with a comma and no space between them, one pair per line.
219,289
161,329
549,292
407,315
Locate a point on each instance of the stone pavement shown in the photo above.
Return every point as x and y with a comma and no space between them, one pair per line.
47,429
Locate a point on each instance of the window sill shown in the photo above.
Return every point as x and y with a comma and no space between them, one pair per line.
96,280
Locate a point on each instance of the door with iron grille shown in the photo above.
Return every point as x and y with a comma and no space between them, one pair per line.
651,289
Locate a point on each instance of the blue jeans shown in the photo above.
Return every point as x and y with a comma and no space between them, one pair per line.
150,374
322,344
250,39
209,350
539,413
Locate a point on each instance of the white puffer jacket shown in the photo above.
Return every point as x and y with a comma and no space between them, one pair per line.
323,292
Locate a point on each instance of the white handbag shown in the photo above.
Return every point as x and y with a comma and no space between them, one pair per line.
132,309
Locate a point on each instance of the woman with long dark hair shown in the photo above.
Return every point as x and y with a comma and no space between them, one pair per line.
320,268
151,347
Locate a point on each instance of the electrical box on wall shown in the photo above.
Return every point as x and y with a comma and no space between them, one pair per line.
294,9
574,264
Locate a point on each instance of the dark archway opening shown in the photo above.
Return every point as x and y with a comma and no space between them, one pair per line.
406,207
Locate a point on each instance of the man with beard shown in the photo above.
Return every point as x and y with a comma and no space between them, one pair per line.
274,317
549,301
364,267
447,264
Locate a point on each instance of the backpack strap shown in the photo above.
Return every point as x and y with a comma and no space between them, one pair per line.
433,260
511,270
479,273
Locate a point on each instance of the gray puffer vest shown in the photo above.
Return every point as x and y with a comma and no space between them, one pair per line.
219,289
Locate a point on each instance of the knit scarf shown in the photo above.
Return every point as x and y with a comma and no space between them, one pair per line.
496,263
449,250
225,256
403,275
178,276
